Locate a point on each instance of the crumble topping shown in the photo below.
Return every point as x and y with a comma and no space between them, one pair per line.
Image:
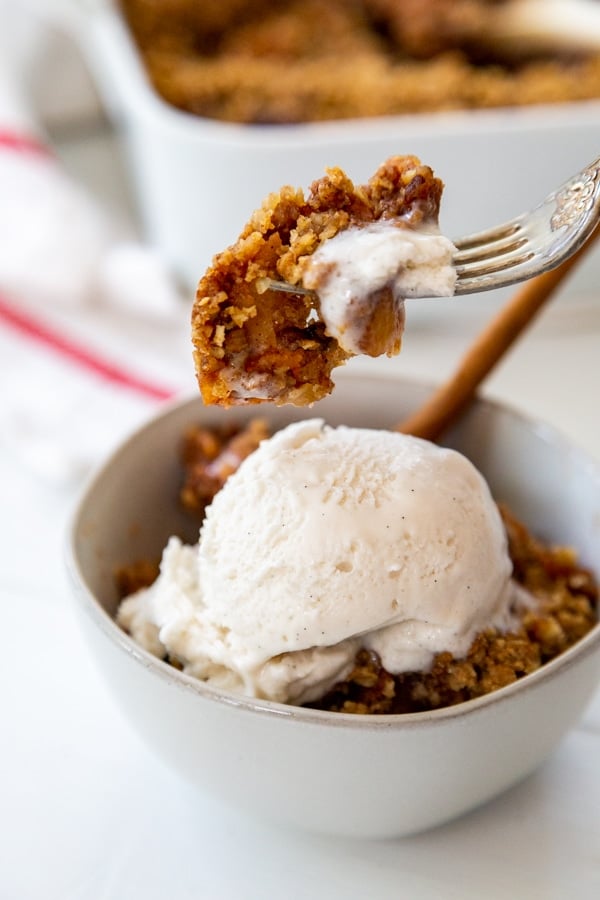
252,344
270,61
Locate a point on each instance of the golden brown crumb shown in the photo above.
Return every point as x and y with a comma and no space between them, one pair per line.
425,28
210,456
270,61
251,346
137,575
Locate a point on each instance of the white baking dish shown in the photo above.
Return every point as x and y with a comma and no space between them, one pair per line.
197,180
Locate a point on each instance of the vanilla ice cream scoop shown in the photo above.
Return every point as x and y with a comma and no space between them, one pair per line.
328,540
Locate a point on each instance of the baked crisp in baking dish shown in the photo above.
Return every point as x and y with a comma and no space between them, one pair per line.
269,61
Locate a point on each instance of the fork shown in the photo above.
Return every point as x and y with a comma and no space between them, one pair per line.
526,246
535,241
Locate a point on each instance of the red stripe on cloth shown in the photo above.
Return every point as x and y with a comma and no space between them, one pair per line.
22,143
86,359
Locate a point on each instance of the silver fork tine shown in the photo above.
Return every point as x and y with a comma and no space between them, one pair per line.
472,241
533,242
505,270
492,248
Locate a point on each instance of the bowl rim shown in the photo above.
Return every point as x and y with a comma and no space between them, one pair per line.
92,607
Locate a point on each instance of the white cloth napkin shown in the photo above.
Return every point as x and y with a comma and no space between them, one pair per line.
93,330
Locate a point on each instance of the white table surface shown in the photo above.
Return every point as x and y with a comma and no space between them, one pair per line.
87,812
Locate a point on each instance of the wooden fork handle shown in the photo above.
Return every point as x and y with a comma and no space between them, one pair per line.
451,398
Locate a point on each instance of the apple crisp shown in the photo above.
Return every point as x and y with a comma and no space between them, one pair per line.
558,606
259,61
563,609
253,343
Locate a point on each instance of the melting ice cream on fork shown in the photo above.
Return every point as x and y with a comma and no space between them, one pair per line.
346,256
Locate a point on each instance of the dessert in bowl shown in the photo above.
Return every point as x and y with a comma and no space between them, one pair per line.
364,775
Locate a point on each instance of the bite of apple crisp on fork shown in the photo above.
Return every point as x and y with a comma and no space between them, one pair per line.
352,252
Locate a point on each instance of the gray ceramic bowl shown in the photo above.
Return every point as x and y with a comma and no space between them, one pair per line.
365,776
